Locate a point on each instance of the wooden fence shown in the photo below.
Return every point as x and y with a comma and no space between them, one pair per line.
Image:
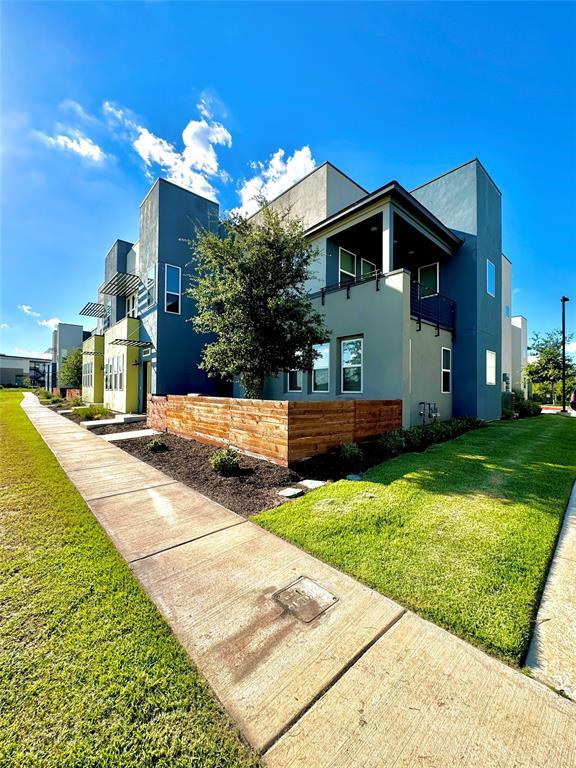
282,431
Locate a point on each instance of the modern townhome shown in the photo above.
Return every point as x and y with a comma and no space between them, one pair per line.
17,370
143,342
65,338
413,286
416,293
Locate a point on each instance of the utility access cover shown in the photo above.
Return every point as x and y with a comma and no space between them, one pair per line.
305,599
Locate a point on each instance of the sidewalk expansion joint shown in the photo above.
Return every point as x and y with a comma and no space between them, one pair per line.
188,541
330,684
121,493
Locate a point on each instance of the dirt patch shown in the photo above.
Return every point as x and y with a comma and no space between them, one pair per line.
254,489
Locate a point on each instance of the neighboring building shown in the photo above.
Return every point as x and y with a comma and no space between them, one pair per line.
143,342
16,370
520,354
65,338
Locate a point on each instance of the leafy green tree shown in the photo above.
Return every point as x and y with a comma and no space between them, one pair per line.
249,290
70,374
546,369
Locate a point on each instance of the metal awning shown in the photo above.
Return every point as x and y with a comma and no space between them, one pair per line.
122,284
131,343
91,309
92,352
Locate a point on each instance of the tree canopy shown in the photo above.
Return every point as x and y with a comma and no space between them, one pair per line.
70,373
249,289
546,369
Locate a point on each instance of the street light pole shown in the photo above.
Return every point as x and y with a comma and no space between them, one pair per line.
563,300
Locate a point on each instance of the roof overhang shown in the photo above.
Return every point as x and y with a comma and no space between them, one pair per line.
395,192
131,343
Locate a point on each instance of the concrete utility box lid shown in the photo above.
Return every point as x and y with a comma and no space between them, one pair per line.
311,484
305,599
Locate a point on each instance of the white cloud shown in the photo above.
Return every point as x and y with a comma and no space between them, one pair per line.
70,105
273,178
75,141
30,353
27,309
52,323
4,325
571,347
194,165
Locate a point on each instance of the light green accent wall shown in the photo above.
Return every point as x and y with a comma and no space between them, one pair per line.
94,394
126,399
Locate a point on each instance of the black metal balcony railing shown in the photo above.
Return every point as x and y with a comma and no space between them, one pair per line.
427,306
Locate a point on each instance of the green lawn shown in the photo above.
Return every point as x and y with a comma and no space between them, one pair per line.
462,534
90,675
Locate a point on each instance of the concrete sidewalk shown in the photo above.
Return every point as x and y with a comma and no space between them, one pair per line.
552,653
316,669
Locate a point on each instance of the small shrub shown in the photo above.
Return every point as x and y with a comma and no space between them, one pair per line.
75,401
93,413
391,444
43,394
415,439
527,408
351,456
157,445
57,401
225,461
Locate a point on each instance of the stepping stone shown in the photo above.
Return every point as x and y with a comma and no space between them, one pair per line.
311,484
115,436
291,493
354,477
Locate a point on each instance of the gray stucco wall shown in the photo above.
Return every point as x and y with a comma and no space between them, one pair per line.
467,201
506,322
426,371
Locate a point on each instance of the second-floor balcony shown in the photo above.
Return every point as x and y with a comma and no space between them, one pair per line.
426,306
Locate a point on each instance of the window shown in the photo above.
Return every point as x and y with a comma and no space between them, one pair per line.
490,278
121,372
150,286
507,310
490,367
429,277
115,373
172,289
347,266
352,359
132,305
446,382
321,369
367,267
294,381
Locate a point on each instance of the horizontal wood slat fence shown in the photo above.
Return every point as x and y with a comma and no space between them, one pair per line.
281,431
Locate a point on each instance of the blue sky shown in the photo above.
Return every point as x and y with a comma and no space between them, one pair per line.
97,99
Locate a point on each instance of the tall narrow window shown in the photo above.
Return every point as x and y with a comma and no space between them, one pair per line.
151,286
347,266
490,278
173,280
352,359
132,305
115,373
490,367
121,372
294,381
446,383
321,369
429,277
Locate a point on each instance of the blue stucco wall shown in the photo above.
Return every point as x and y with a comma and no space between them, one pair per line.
180,214
467,201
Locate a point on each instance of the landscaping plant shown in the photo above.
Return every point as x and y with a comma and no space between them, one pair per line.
249,288
93,413
225,461
351,457
156,445
70,373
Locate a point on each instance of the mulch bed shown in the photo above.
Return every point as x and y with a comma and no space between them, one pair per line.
113,428
254,489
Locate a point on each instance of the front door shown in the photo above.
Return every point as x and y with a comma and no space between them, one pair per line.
146,377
